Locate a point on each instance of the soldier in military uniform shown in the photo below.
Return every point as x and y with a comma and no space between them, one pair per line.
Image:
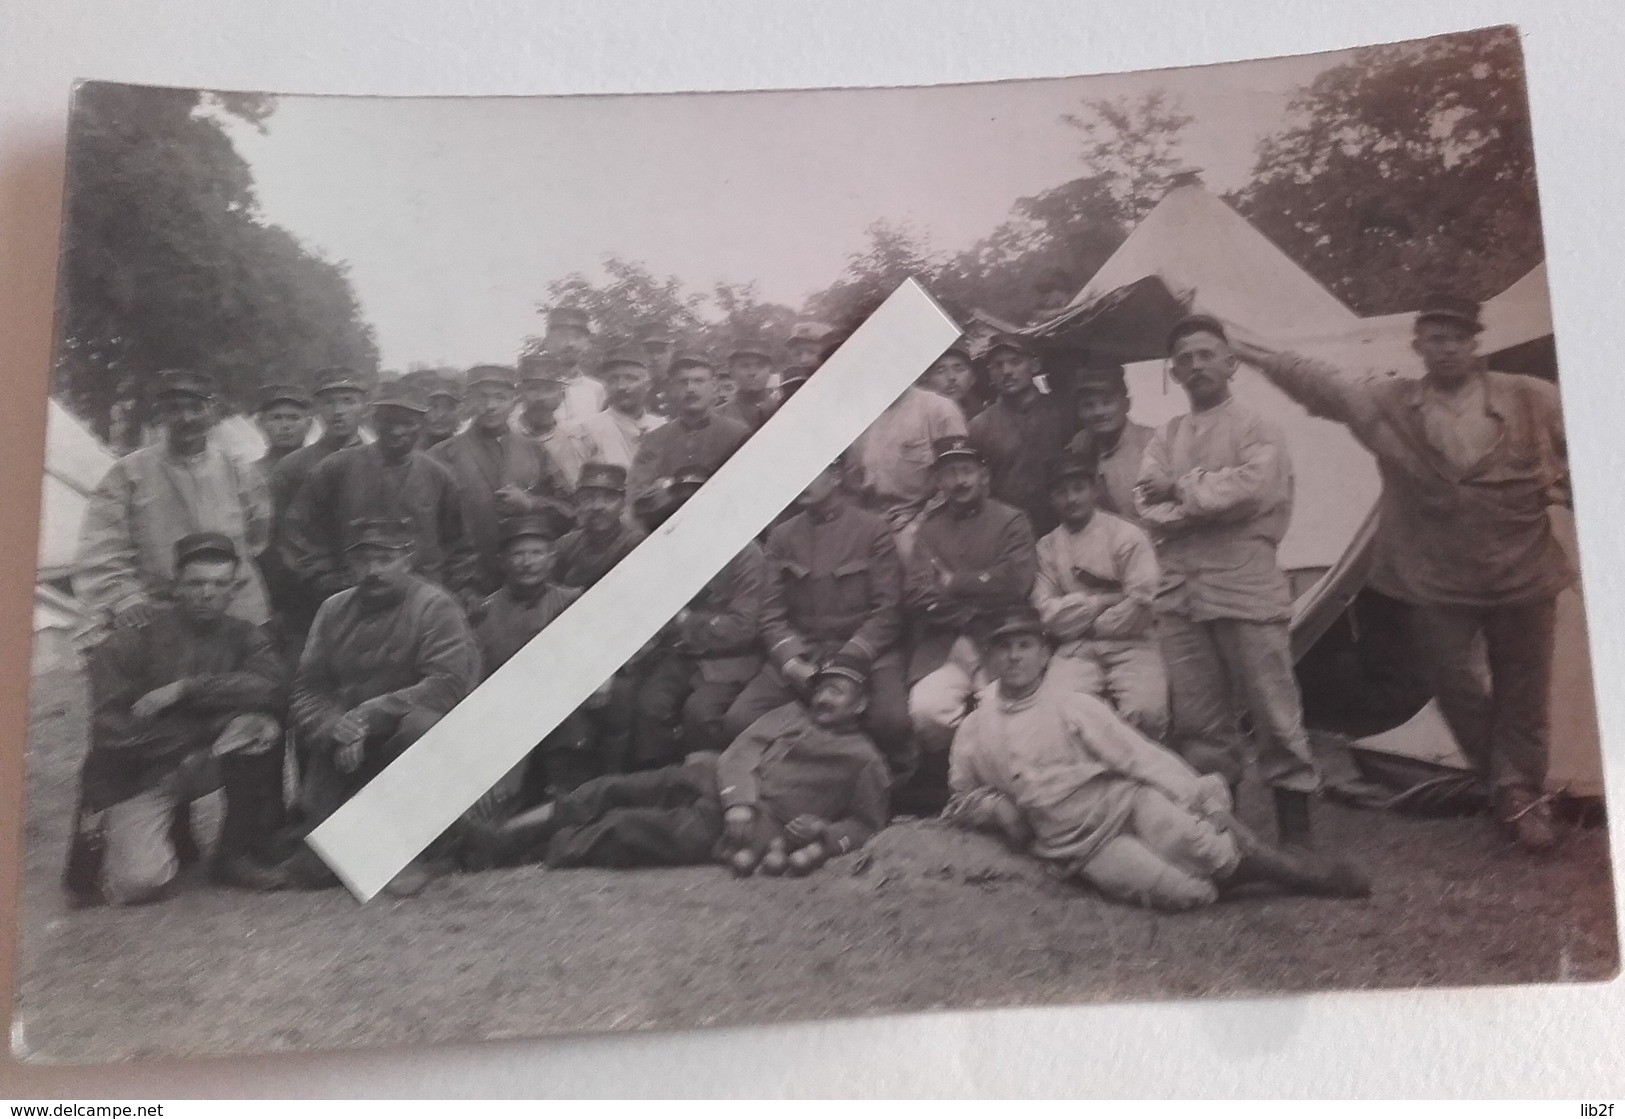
499,472
387,479
542,388
568,339
750,368
603,537
445,416
617,432
832,584
806,345
282,413
696,438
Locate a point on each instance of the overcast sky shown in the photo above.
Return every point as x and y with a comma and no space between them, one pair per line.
455,213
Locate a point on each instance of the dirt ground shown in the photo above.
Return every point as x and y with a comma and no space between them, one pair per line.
925,918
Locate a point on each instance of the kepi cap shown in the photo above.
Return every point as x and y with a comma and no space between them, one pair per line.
688,478
199,545
521,527
381,532
624,355
1013,620
602,476
1071,464
1196,324
338,378
401,393
955,446
281,394
687,359
183,382
846,666
1017,342
542,367
1444,306
750,347
808,331
490,375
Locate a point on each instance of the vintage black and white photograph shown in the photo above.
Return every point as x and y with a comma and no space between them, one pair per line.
1205,621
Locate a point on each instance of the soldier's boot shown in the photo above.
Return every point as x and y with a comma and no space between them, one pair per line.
1526,816
1292,818
253,787
1298,871
489,843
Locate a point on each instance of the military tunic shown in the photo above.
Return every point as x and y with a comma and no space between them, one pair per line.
482,464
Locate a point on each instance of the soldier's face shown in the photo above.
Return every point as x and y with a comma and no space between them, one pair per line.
1202,364
804,351
493,405
376,569
1012,371
542,398
627,386
749,373
444,412
284,425
963,481
1103,410
341,411
571,341
1018,660
186,416
599,508
836,700
526,562
1075,501
951,376
696,388
1446,349
397,429
203,588
659,353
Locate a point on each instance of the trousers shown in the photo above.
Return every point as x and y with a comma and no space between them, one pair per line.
325,788
1126,674
245,760
1218,669
660,817
1503,724
1167,857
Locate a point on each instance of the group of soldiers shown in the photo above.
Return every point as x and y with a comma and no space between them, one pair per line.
1006,603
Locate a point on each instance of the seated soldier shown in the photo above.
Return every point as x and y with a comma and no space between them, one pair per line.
182,704
525,605
1060,774
385,660
800,785
1097,575
694,669
603,537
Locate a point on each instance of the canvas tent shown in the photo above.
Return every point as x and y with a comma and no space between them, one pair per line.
75,461
1192,252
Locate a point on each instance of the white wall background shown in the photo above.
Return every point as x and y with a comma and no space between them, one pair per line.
1513,1042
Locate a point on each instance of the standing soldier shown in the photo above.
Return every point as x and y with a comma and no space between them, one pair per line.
388,479
1021,430
618,430
1115,440
696,438
499,472
806,344
568,339
750,367
658,347
1471,461
832,585
973,555
542,387
183,703
283,417
386,659
152,497
954,376
445,396
1097,577
1215,493
895,457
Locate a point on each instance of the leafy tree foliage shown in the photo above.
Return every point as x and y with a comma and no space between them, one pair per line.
167,261
1408,168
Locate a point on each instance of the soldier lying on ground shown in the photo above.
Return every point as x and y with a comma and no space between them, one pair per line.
800,785
1063,776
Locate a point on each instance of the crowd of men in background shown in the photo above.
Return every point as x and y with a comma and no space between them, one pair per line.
1006,602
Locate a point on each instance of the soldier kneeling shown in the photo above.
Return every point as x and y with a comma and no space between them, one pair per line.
800,785
182,704
1062,775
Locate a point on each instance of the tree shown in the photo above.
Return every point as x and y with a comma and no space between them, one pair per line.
632,302
167,261
894,252
1408,168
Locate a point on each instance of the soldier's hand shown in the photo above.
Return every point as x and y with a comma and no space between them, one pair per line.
347,758
736,824
513,501
806,829
1212,795
798,673
1155,492
351,727
159,700
137,613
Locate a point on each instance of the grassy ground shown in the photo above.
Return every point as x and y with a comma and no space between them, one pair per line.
925,918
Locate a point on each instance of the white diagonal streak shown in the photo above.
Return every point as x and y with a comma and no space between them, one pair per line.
401,811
